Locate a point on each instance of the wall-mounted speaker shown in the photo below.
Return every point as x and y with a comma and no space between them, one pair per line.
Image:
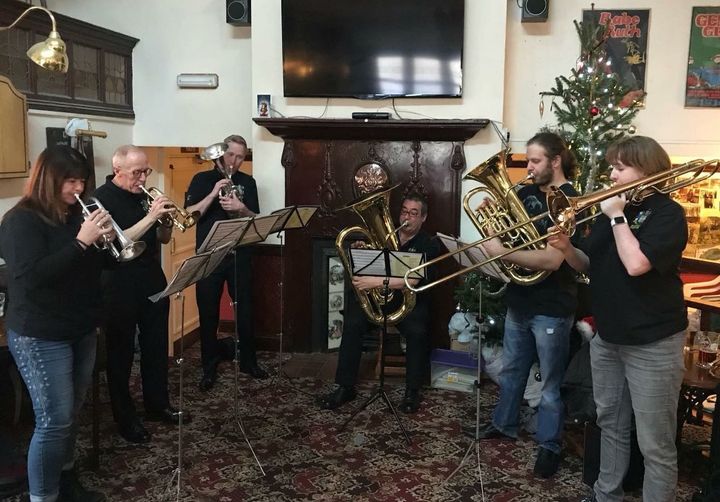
237,12
535,11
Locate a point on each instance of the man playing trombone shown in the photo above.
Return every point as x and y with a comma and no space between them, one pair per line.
539,316
219,194
126,289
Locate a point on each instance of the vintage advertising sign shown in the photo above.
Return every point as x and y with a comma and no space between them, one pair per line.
626,45
702,87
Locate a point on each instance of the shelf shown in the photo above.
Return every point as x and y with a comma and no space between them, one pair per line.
383,130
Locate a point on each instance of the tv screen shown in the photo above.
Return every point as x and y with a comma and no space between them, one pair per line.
372,48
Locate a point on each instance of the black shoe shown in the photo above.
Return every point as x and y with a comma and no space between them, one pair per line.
134,431
337,398
167,415
591,498
72,491
487,431
411,401
208,380
254,371
547,463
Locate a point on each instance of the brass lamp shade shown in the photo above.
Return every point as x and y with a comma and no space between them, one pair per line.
50,54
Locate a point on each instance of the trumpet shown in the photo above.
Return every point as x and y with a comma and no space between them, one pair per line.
213,153
126,249
179,217
563,211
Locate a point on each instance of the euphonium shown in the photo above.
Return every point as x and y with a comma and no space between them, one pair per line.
126,249
213,153
378,227
506,212
179,217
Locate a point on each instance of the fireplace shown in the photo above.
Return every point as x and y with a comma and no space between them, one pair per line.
321,160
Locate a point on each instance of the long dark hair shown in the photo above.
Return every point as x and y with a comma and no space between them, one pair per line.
43,190
555,145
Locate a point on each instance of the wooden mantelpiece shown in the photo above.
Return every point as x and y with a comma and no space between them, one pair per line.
379,130
321,158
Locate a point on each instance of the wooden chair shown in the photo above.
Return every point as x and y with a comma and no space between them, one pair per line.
394,355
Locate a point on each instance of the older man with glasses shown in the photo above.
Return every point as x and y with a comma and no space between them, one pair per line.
126,287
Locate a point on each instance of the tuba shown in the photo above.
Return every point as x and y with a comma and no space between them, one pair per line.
179,217
378,227
508,212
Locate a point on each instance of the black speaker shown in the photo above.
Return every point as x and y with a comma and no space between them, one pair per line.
535,11
591,460
237,12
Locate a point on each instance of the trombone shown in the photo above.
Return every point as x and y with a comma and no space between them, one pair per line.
178,217
563,211
126,249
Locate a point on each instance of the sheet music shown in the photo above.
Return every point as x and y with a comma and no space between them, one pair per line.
304,214
192,270
402,261
224,231
372,262
472,256
258,229
284,215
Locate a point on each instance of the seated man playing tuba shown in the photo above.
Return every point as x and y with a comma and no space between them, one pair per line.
413,326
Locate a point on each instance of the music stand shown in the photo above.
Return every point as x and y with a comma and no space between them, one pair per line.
190,271
384,263
289,218
469,257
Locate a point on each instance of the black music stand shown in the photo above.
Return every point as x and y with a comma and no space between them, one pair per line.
383,263
190,271
469,257
290,218
240,232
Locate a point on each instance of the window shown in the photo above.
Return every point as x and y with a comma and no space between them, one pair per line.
99,81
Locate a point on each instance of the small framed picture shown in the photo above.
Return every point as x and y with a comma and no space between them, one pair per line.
263,105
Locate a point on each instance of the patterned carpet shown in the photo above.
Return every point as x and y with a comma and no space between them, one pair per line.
307,457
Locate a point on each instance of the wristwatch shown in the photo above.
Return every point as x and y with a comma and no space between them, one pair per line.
618,220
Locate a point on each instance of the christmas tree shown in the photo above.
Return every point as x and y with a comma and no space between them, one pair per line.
592,107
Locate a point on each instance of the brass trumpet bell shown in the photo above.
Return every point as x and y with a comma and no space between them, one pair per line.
180,218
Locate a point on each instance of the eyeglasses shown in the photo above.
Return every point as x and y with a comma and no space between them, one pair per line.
412,212
136,174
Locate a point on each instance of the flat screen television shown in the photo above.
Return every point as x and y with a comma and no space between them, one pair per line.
372,49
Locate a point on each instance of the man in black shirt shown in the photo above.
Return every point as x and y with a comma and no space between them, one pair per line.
540,316
414,327
127,287
206,196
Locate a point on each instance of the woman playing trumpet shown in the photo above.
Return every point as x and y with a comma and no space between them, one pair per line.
53,309
632,256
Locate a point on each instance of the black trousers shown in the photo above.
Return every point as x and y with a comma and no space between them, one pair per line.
127,311
415,329
208,294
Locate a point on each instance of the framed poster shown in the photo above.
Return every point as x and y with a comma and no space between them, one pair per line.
335,301
626,46
702,87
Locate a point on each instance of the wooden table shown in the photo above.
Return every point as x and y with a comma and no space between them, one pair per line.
697,385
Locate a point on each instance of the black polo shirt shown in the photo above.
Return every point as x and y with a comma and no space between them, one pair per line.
639,310
556,296
127,208
202,184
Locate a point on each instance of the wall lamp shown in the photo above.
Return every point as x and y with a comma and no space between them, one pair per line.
50,54
198,80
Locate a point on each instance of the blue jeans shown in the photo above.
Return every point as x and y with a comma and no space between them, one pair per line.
527,338
57,375
644,381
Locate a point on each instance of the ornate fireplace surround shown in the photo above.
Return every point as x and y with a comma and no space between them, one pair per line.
321,159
